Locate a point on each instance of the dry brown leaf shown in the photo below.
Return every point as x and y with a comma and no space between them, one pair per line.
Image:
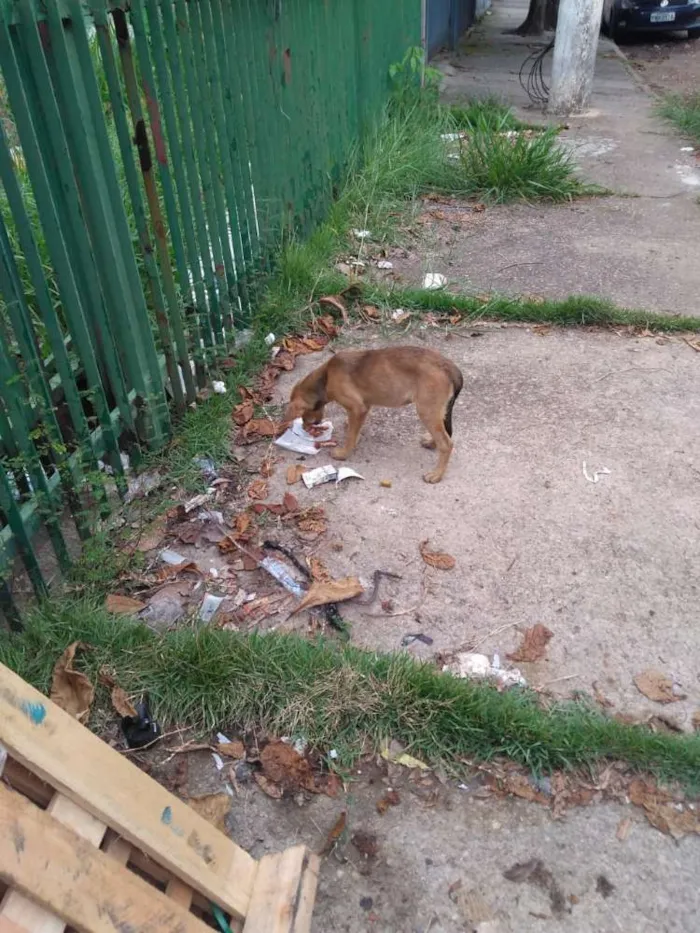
312,521
696,721
624,827
298,346
120,605
120,701
243,413
534,644
366,844
519,785
294,471
214,808
372,312
267,786
656,686
283,765
437,559
661,810
256,429
257,489
390,799
70,689
267,467
337,303
326,324
285,360
152,536
334,591
235,749
334,835
290,502
318,570
188,532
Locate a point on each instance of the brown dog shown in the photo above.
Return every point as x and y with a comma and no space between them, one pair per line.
391,378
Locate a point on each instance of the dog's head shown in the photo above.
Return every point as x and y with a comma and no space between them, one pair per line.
308,399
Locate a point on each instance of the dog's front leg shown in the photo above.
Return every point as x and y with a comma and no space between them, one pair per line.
356,418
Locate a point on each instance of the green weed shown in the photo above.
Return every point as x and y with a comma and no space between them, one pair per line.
683,111
337,696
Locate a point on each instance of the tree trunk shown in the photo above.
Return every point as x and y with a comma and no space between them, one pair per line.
541,16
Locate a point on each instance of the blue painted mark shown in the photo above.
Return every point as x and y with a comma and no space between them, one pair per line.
35,711
167,816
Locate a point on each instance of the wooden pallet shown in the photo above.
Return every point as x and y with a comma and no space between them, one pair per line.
89,842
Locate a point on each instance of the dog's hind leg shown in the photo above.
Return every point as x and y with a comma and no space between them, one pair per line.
433,417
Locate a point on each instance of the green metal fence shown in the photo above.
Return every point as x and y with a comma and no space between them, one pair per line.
151,154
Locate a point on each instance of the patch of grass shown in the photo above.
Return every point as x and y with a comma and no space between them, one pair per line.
484,113
338,696
575,311
499,167
683,111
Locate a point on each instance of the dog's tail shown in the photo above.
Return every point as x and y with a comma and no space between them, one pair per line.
457,383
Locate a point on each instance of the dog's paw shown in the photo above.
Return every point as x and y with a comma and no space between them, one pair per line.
427,442
432,477
339,454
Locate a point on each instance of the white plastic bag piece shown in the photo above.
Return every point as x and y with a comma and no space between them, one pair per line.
326,474
270,339
299,441
434,281
219,387
385,264
362,234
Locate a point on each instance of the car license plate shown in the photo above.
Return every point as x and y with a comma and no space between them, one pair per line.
662,17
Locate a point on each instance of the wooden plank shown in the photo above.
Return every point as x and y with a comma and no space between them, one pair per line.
22,912
179,892
284,892
71,878
19,778
64,753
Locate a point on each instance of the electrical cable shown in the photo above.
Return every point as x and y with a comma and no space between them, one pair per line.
534,83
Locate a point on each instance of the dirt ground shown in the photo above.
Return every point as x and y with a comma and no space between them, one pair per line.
610,567
667,63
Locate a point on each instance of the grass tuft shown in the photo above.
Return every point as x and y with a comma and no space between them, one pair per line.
683,111
337,696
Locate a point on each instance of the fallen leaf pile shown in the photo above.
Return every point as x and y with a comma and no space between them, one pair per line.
667,815
285,771
71,689
437,559
534,644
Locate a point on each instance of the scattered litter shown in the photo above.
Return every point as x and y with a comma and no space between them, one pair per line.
212,515
452,137
207,468
333,753
140,730
279,570
657,687
467,664
390,799
334,835
242,338
434,281
163,611
687,149
414,637
172,558
210,606
400,315
534,644
596,473
395,753
270,339
299,441
327,474
71,689
214,808
120,605
385,483
437,559
219,387
362,234
142,486
366,844
196,502
385,264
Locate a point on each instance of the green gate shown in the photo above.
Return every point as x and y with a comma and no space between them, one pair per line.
152,152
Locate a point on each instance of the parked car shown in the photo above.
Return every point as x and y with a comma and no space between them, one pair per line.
621,17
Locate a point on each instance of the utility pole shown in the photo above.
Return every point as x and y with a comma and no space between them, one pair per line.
575,47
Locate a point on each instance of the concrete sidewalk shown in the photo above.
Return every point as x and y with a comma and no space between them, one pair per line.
639,249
